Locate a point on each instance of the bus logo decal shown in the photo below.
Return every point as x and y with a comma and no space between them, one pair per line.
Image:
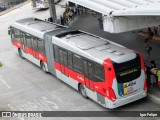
18,44
80,78
40,56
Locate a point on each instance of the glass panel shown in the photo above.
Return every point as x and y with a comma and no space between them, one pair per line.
56,55
99,72
128,71
70,59
41,46
77,63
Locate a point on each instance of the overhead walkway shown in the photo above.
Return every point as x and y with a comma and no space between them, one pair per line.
125,15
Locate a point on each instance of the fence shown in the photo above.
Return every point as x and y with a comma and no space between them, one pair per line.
5,6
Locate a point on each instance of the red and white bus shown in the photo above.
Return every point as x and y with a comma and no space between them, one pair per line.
104,71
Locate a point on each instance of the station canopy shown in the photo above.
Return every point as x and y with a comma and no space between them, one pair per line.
124,15
122,7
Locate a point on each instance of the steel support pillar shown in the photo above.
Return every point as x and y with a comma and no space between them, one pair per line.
52,10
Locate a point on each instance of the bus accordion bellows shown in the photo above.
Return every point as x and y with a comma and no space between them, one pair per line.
104,71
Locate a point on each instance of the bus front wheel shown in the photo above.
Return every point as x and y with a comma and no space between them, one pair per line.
83,91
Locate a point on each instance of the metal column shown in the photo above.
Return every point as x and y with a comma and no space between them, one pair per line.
52,10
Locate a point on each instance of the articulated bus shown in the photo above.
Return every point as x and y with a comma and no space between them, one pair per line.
99,69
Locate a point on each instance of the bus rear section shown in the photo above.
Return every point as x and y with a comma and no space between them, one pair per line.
111,75
126,81
40,4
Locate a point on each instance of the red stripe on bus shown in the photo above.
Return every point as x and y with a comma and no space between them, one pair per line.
17,44
67,71
96,86
30,51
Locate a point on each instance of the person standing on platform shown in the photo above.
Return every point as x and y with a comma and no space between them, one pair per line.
158,74
148,48
62,20
155,30
152,76
150,33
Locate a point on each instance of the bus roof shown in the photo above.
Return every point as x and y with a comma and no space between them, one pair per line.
83,43
99,48
35,26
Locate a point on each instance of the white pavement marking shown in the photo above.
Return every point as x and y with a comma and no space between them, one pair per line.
1,79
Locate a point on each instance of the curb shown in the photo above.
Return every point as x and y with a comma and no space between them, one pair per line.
154,99
13,8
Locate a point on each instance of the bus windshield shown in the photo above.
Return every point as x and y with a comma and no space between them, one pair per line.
128,71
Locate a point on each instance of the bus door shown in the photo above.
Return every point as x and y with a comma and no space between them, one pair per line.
63,62
23,41
88,74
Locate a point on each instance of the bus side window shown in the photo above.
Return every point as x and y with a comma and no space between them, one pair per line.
24,39
85,68
41,46
99,73
35,43
18,36
90,71
77,63
65,58
28,40
55,51
70,59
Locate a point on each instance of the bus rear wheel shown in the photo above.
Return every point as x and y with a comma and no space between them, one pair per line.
83,91
43,67
20,53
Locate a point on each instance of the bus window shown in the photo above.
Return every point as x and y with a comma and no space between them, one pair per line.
70,59
41,46
98,73
61,56
128,71
85,68
77,63
28,40
90,71
15,35
56,55
35,43
65,58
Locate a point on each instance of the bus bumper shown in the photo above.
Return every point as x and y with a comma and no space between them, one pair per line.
124,101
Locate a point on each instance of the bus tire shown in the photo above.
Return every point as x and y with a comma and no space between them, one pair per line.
82,90
20,53
43,67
